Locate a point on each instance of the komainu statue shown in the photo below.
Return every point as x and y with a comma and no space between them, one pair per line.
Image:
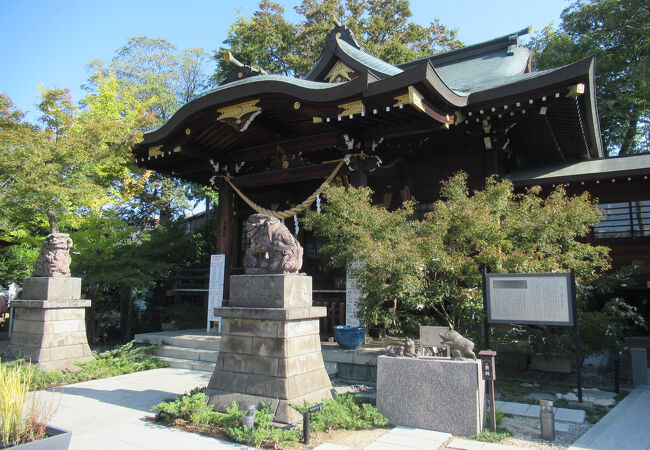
54,259
273,249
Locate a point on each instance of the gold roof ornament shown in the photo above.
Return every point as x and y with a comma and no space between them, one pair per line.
241,115
339,73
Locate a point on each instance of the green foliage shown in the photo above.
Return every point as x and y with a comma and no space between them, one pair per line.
493,437
499,416
16,262
262,432
616,32
55,174
159,74
120,361
193,408
270,41
345,412
417,268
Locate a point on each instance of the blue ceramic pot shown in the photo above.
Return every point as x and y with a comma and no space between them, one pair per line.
349,337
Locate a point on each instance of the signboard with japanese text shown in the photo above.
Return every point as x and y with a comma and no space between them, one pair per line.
540,298
353,293
215,287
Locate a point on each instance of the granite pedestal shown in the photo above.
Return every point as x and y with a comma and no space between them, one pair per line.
270,346
49,326
439,394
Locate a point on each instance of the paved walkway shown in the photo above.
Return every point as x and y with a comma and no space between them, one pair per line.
526,410
108,414
627,426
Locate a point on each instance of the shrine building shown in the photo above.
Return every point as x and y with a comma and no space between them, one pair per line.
269,141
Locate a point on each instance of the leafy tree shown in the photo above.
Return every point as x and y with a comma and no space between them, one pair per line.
268,40
158,72
616,32
417,269
56,173
164,78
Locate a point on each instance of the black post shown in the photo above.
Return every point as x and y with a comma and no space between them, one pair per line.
486,325
306,424
576,333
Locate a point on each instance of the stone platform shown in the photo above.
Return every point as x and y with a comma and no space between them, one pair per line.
270,346
49,326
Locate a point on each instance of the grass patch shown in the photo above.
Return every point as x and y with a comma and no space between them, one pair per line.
119,361
493,437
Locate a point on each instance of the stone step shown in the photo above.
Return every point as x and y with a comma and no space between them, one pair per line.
170,351
189,364
188,340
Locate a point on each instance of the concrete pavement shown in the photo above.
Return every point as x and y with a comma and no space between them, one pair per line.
108,413
627,426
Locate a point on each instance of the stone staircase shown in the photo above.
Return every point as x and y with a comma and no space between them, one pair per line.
185,349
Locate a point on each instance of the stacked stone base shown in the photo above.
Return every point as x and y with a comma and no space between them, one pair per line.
49,326
271,352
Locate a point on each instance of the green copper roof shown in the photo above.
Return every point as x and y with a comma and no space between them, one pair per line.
485,72
584,170
374,64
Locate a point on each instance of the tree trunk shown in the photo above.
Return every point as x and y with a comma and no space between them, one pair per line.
126,308
628,139
54,224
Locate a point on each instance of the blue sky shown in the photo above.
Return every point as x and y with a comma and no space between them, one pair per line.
48,42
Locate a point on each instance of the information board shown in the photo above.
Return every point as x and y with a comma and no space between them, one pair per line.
352,295
215,287
540,298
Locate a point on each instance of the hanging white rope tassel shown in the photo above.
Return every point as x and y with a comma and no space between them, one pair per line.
318,203
295,221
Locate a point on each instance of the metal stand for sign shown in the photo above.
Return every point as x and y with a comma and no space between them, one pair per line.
486,325
576,334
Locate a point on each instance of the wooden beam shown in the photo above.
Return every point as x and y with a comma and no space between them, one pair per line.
295,145
304,173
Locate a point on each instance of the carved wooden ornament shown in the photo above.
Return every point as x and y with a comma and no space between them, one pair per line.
241,115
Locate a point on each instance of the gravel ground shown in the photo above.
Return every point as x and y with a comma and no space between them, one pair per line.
526,433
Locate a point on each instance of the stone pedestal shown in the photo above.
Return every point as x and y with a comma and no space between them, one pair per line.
49,326
438,394
270,346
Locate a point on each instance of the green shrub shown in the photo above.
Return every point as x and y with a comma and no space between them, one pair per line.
345,412
194,409
119,361
262,431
